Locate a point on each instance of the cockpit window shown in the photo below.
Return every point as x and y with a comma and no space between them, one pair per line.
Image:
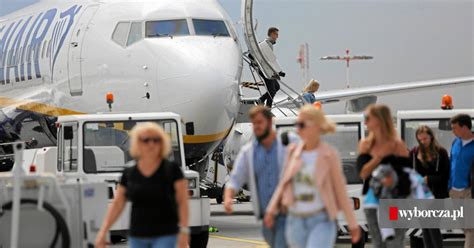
210,27
167,28
135,33
120,33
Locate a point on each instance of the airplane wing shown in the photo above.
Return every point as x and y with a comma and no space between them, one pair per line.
374,91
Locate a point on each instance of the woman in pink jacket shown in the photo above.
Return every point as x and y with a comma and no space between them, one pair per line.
313,188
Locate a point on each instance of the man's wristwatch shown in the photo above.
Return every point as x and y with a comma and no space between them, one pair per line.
184,230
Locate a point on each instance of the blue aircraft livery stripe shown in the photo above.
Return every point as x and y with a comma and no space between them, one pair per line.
23,53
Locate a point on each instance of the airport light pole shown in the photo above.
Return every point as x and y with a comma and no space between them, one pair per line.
303,60
348,59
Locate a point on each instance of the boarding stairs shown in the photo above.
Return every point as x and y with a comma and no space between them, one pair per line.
292,99
259,66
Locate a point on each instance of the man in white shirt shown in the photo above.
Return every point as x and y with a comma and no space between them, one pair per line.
266,47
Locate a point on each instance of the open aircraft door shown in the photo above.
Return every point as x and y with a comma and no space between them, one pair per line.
76,45
264,65
252,42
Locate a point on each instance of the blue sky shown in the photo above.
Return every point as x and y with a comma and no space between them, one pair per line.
410,40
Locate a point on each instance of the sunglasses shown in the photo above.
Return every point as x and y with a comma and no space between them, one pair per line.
302,125
147,140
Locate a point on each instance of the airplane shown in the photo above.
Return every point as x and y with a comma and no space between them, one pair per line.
87,56
64,57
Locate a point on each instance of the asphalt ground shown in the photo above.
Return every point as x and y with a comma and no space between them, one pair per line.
241,229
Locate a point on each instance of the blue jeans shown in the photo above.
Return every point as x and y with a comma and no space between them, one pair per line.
275,237
157,242
315,231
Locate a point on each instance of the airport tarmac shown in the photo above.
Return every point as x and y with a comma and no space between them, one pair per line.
237,230
240,230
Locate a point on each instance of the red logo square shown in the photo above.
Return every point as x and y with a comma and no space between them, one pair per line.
393,213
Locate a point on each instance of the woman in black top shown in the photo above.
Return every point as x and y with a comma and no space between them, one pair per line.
381,147
157,190
431,160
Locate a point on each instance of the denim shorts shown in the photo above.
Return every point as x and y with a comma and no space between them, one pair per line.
166,241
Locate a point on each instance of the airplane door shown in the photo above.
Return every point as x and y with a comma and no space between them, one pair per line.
252,42
75,50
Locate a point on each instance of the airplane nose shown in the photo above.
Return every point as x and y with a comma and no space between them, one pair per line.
204,88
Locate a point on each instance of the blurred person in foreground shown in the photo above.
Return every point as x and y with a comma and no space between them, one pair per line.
157,190
313,188
380,153
260,165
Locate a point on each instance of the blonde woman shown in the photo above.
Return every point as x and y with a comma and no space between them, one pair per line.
313,187
157,190
382,147
309,90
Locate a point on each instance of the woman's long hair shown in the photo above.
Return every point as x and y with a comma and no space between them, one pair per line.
383,114
433,148
312,86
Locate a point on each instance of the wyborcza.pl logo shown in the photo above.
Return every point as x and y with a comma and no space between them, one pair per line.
409,214
426,213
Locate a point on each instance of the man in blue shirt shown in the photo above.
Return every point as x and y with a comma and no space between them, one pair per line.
462,160
260,164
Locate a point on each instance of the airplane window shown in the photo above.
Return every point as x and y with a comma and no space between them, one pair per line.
120,33
135,33
167,28
210,27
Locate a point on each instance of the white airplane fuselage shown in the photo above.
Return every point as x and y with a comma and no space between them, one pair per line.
63,58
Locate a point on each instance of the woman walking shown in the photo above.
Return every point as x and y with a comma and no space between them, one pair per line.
313,187
157,190
382,147
432,162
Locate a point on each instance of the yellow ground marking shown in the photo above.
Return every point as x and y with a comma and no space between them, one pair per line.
259,243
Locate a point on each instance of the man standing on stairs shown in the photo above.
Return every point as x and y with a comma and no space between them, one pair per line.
266,47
